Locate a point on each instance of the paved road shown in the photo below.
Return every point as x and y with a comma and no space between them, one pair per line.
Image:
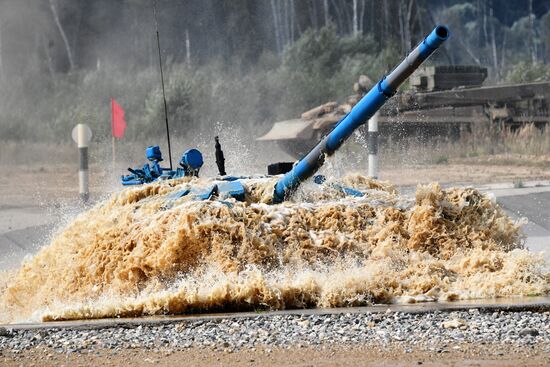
23,230
532,203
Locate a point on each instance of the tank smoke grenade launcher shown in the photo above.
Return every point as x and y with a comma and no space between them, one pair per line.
229,186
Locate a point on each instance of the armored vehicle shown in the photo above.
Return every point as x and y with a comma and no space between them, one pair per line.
441,100
292,175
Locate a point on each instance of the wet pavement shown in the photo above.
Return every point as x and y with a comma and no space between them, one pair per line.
532,203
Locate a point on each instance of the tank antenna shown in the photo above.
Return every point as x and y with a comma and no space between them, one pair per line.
162,82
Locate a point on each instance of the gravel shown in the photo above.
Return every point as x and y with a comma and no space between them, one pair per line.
434,331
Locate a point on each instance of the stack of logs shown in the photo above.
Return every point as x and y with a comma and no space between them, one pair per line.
331,112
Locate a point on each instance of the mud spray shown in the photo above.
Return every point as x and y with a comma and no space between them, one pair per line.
140,253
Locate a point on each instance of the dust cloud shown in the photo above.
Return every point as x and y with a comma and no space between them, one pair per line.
140,253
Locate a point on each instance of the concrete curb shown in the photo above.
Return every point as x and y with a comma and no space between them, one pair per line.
532,304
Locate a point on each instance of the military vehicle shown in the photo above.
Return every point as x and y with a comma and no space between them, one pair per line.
231,187
441,101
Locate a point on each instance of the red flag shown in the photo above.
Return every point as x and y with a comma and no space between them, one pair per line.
117,120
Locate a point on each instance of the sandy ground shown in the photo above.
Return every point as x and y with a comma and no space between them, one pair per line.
463,173
49,185
478,170
364,355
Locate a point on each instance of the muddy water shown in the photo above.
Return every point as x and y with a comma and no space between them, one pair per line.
141,253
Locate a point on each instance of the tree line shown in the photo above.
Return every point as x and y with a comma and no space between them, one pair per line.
297,52
64,35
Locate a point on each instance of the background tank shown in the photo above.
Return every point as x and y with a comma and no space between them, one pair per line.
441,101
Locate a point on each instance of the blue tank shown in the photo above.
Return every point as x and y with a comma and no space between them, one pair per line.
231,187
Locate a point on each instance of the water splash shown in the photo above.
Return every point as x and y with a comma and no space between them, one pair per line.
140,254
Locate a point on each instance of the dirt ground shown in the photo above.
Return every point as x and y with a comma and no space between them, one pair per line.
464,173
366,355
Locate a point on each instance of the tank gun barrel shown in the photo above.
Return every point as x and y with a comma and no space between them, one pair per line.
360,114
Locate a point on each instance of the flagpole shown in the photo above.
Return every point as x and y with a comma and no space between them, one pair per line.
114,152
118,125
112,132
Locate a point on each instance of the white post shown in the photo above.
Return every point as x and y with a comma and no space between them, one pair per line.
372,146
82,134
187,48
